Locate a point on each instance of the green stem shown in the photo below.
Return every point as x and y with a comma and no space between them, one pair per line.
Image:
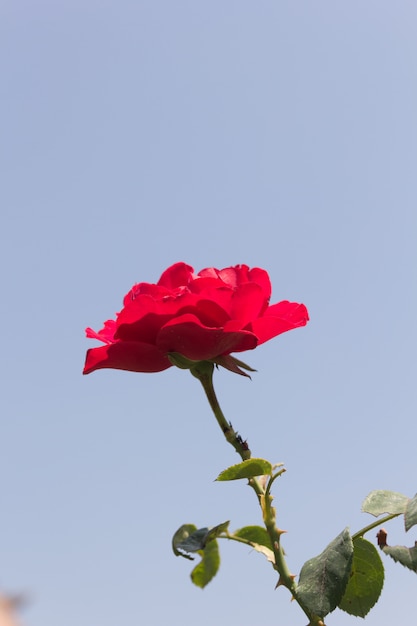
232,537
204,372
378,522
271,480
269,516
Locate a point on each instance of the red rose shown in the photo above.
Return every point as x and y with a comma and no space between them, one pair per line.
203,317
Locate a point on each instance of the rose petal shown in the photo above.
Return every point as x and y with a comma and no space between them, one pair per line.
261,278
144,317
178,275
278,319
140,289
210,313
144,330
209,272
132,356
186,335
234,276
290,310
215,291
248,302
106,334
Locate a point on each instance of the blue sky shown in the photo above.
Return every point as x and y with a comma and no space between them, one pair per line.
137,134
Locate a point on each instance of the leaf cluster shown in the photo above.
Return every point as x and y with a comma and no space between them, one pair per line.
348,574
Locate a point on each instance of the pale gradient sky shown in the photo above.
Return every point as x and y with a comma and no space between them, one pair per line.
136,134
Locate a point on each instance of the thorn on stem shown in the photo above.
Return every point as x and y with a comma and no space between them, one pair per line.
242,443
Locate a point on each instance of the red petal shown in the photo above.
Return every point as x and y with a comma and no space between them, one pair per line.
248,302
291,310
106,334
261,278
208,289
144,317
178,275
278,319
144,330
126,355
210,313
241,274
234,276
231,278
155,291
209,272
186,335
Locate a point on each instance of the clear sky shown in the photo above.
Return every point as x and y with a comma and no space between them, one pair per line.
134,134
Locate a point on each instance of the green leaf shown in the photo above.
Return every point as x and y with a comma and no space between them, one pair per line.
323,579
216,531
410,517
234,365
194,542
402,554
265,551
203,541
246,469
190,539
259,540
180,536
209,565
365,581
254,534
380,501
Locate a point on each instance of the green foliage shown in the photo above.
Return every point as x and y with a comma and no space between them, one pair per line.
366,579
246,469
190,539
202,541
254,534
348,574
380,501
324,578
195,542
181,536
410,517
258,539
216,531
402,554
208,567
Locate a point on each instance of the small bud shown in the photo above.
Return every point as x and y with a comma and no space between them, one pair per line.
382,538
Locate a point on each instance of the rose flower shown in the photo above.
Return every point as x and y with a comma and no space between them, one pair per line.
202,317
